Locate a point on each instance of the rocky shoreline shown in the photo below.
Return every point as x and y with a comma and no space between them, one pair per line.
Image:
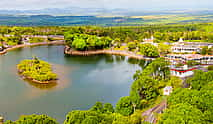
35,81
69,51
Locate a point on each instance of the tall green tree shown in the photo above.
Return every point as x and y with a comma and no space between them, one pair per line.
200,79
158,69
149,50
143,90
98,107
124,106
108,108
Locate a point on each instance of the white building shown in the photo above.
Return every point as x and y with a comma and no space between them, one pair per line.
167,90
1,48
203,59
182,71
189,47
185,49
150,41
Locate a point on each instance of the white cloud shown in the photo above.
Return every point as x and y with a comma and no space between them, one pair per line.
133,4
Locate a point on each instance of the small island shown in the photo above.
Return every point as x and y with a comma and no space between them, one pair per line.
37,71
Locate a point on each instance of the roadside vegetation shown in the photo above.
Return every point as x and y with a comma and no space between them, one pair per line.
192,105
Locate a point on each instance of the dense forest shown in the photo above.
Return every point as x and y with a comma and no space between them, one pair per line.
194,105
164,33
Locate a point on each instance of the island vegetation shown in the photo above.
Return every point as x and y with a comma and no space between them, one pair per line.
36,70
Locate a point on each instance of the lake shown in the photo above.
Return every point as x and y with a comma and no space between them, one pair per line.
82,82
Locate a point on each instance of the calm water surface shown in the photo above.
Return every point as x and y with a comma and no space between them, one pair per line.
83,81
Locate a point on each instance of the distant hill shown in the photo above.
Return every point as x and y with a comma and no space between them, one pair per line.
99,16
47,20
77,11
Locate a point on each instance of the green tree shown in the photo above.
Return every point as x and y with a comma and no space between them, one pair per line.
86,42
77,116
175,82
149,50
36,69
88,117
163,48
127,39
108,108
210,68
79,44
136,118
98,107
120,119
182,114
200,79
91,120
206,50
124,106
91,41
36,40
117,42
143,90
192,63
131,45
158,69
33,119
199,99
106,41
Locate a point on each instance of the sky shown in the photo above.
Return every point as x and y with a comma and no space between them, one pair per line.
108,4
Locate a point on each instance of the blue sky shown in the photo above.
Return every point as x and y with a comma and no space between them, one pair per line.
127,4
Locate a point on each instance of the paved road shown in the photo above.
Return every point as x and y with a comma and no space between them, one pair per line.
150,114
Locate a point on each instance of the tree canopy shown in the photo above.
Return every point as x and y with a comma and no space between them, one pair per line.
200,79
191,106
149,50
158,69
143,90
182,114
124,106
33,119
86,42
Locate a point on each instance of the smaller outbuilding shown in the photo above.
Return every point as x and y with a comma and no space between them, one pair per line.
1,119
167,90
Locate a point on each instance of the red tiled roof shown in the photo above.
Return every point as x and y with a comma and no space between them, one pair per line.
184,70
